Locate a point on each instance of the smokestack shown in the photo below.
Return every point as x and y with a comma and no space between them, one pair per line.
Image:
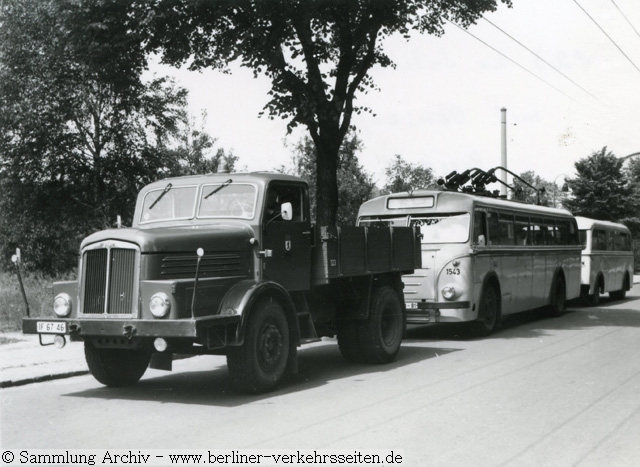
503,152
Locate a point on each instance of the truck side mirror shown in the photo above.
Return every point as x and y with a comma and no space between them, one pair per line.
286,211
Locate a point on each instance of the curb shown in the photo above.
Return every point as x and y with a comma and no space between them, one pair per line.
41,379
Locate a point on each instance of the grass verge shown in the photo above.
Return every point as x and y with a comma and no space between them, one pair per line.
39,290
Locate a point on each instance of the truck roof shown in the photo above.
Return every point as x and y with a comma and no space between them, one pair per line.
261,178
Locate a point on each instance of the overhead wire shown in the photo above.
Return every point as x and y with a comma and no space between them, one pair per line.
625,17
608,36
538,57
512,60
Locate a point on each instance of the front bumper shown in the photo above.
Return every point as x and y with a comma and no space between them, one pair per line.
438,312
194,328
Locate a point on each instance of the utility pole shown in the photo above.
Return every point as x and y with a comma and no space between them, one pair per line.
503,152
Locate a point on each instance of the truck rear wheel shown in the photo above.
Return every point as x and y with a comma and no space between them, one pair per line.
381,334
116,367
260,362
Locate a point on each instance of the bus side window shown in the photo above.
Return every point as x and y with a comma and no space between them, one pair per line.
522,230
537,232
564,238
494,229
507,236
480,228
550,233
599,240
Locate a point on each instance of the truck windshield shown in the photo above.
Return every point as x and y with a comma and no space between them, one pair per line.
236,200
164,204
443,228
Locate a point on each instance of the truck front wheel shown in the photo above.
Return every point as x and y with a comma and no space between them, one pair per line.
116,367
260,362
381,334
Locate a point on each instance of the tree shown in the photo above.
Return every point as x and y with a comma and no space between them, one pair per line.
404,176
355,186
79,131
548,194
318,55
601,189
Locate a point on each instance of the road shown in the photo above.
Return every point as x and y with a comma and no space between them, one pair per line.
542,391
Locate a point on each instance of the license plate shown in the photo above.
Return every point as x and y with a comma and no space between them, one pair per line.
411,305
51,327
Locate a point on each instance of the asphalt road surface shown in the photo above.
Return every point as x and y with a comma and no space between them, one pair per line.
542,391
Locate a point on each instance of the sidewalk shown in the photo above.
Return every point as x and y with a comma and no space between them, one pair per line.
23,360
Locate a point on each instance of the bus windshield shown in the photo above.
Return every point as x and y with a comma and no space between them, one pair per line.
443,228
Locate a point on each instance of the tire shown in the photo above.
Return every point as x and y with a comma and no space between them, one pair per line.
260,362
380,335
558,297
620,294
116,367
489,313
594,299
348,341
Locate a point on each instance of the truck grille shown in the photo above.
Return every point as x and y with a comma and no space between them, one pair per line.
109,281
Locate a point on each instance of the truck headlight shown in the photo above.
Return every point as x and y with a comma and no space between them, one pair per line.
448,293
159,305
62,305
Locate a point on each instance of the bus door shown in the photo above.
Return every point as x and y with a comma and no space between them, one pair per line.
484,260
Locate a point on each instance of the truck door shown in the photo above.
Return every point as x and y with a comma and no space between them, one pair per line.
287,243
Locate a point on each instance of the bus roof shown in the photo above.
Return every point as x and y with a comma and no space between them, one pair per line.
452,201
585,223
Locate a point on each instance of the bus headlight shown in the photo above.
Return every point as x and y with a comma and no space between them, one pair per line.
448,292
160,305
62,305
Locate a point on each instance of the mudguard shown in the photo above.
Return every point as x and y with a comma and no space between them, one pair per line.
243,296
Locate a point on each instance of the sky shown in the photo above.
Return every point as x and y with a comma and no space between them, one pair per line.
569,89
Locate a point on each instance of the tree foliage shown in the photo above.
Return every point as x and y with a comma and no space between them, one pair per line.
405,176
80,132
601,189
355,186
318,54
547,193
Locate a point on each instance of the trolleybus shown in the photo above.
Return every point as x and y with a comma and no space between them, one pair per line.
482,258
607,259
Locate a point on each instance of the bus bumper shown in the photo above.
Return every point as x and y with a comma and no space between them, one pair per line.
439,312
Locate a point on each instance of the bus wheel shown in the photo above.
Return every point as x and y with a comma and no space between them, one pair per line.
260,362
621,294
116,367
380,335
594,299
558,297
348,341
489,316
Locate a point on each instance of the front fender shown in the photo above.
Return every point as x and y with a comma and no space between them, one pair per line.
244,295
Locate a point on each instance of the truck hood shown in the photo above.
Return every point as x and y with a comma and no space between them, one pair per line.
220,237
